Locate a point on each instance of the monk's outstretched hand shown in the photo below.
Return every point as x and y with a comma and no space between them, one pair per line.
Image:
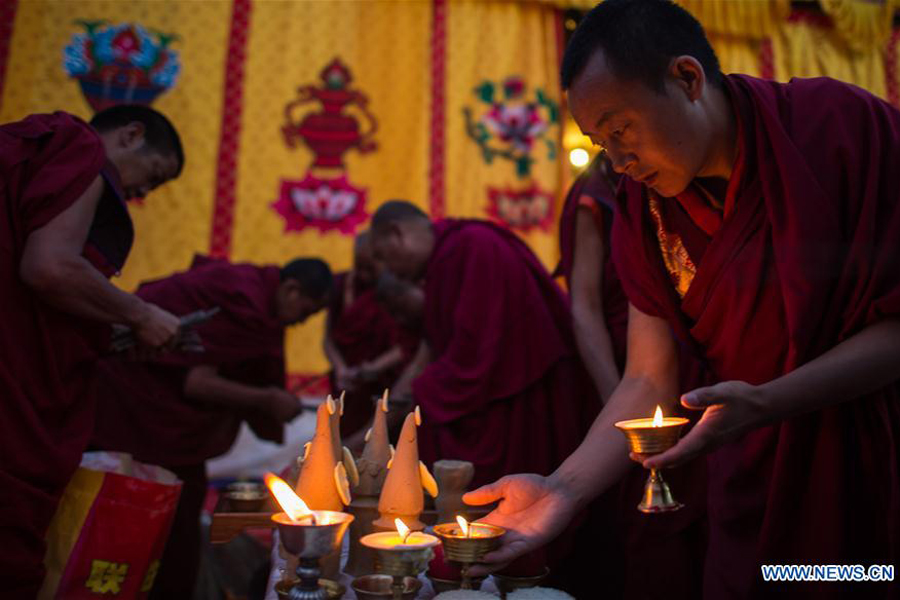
731,408
533,509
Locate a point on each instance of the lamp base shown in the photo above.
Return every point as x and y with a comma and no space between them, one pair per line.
308,587
657,495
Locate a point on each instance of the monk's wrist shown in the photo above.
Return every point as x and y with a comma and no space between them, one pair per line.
571,485
771,402
137,313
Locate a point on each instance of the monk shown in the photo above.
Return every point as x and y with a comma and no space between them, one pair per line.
670,545
505,388
760,221
65,230
599,305
367,349
182,409
405,302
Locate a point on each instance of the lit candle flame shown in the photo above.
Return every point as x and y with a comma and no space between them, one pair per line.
658,417
463,524
402,529
294,507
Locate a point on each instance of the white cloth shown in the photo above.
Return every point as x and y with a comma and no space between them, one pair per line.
251,457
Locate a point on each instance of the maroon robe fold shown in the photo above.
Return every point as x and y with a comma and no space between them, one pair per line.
506,389
142,408
362,332
807,256
46,357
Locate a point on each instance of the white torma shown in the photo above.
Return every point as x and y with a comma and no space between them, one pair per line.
323,478
407,476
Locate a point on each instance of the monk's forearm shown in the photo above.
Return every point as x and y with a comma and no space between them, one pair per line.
861,364
591,334
387,360
602,458
403,385
74,286
595,346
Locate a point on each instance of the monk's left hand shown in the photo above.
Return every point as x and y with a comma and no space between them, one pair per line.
731,408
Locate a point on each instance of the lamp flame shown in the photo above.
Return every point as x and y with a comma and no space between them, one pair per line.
294,507
402,529
463,524
658,417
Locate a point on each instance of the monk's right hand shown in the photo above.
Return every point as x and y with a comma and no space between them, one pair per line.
282,404
533,510
156,328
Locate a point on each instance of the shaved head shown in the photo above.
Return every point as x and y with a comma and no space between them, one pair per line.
639,38
394,211
304,290
402,238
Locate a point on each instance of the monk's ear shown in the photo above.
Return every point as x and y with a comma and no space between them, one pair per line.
688,76
131,136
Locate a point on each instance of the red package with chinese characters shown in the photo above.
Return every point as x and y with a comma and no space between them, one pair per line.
110,529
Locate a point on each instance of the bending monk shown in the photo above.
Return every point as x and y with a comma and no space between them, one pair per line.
503,357
64,230
367,349
182,409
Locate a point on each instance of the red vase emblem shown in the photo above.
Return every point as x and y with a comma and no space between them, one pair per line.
325,198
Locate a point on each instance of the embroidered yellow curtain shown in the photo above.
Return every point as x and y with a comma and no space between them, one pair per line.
862,24
743,18
259,90
463,96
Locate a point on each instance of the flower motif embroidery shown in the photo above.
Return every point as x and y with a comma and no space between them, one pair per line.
512,125
122,63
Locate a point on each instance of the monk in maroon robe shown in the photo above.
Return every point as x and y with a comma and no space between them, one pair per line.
761,222
505,388
64,230
366,347
599,305
670,545
184,408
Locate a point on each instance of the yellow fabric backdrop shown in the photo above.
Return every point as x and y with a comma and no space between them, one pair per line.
388,47
174,221
747,18
805,49
490,41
